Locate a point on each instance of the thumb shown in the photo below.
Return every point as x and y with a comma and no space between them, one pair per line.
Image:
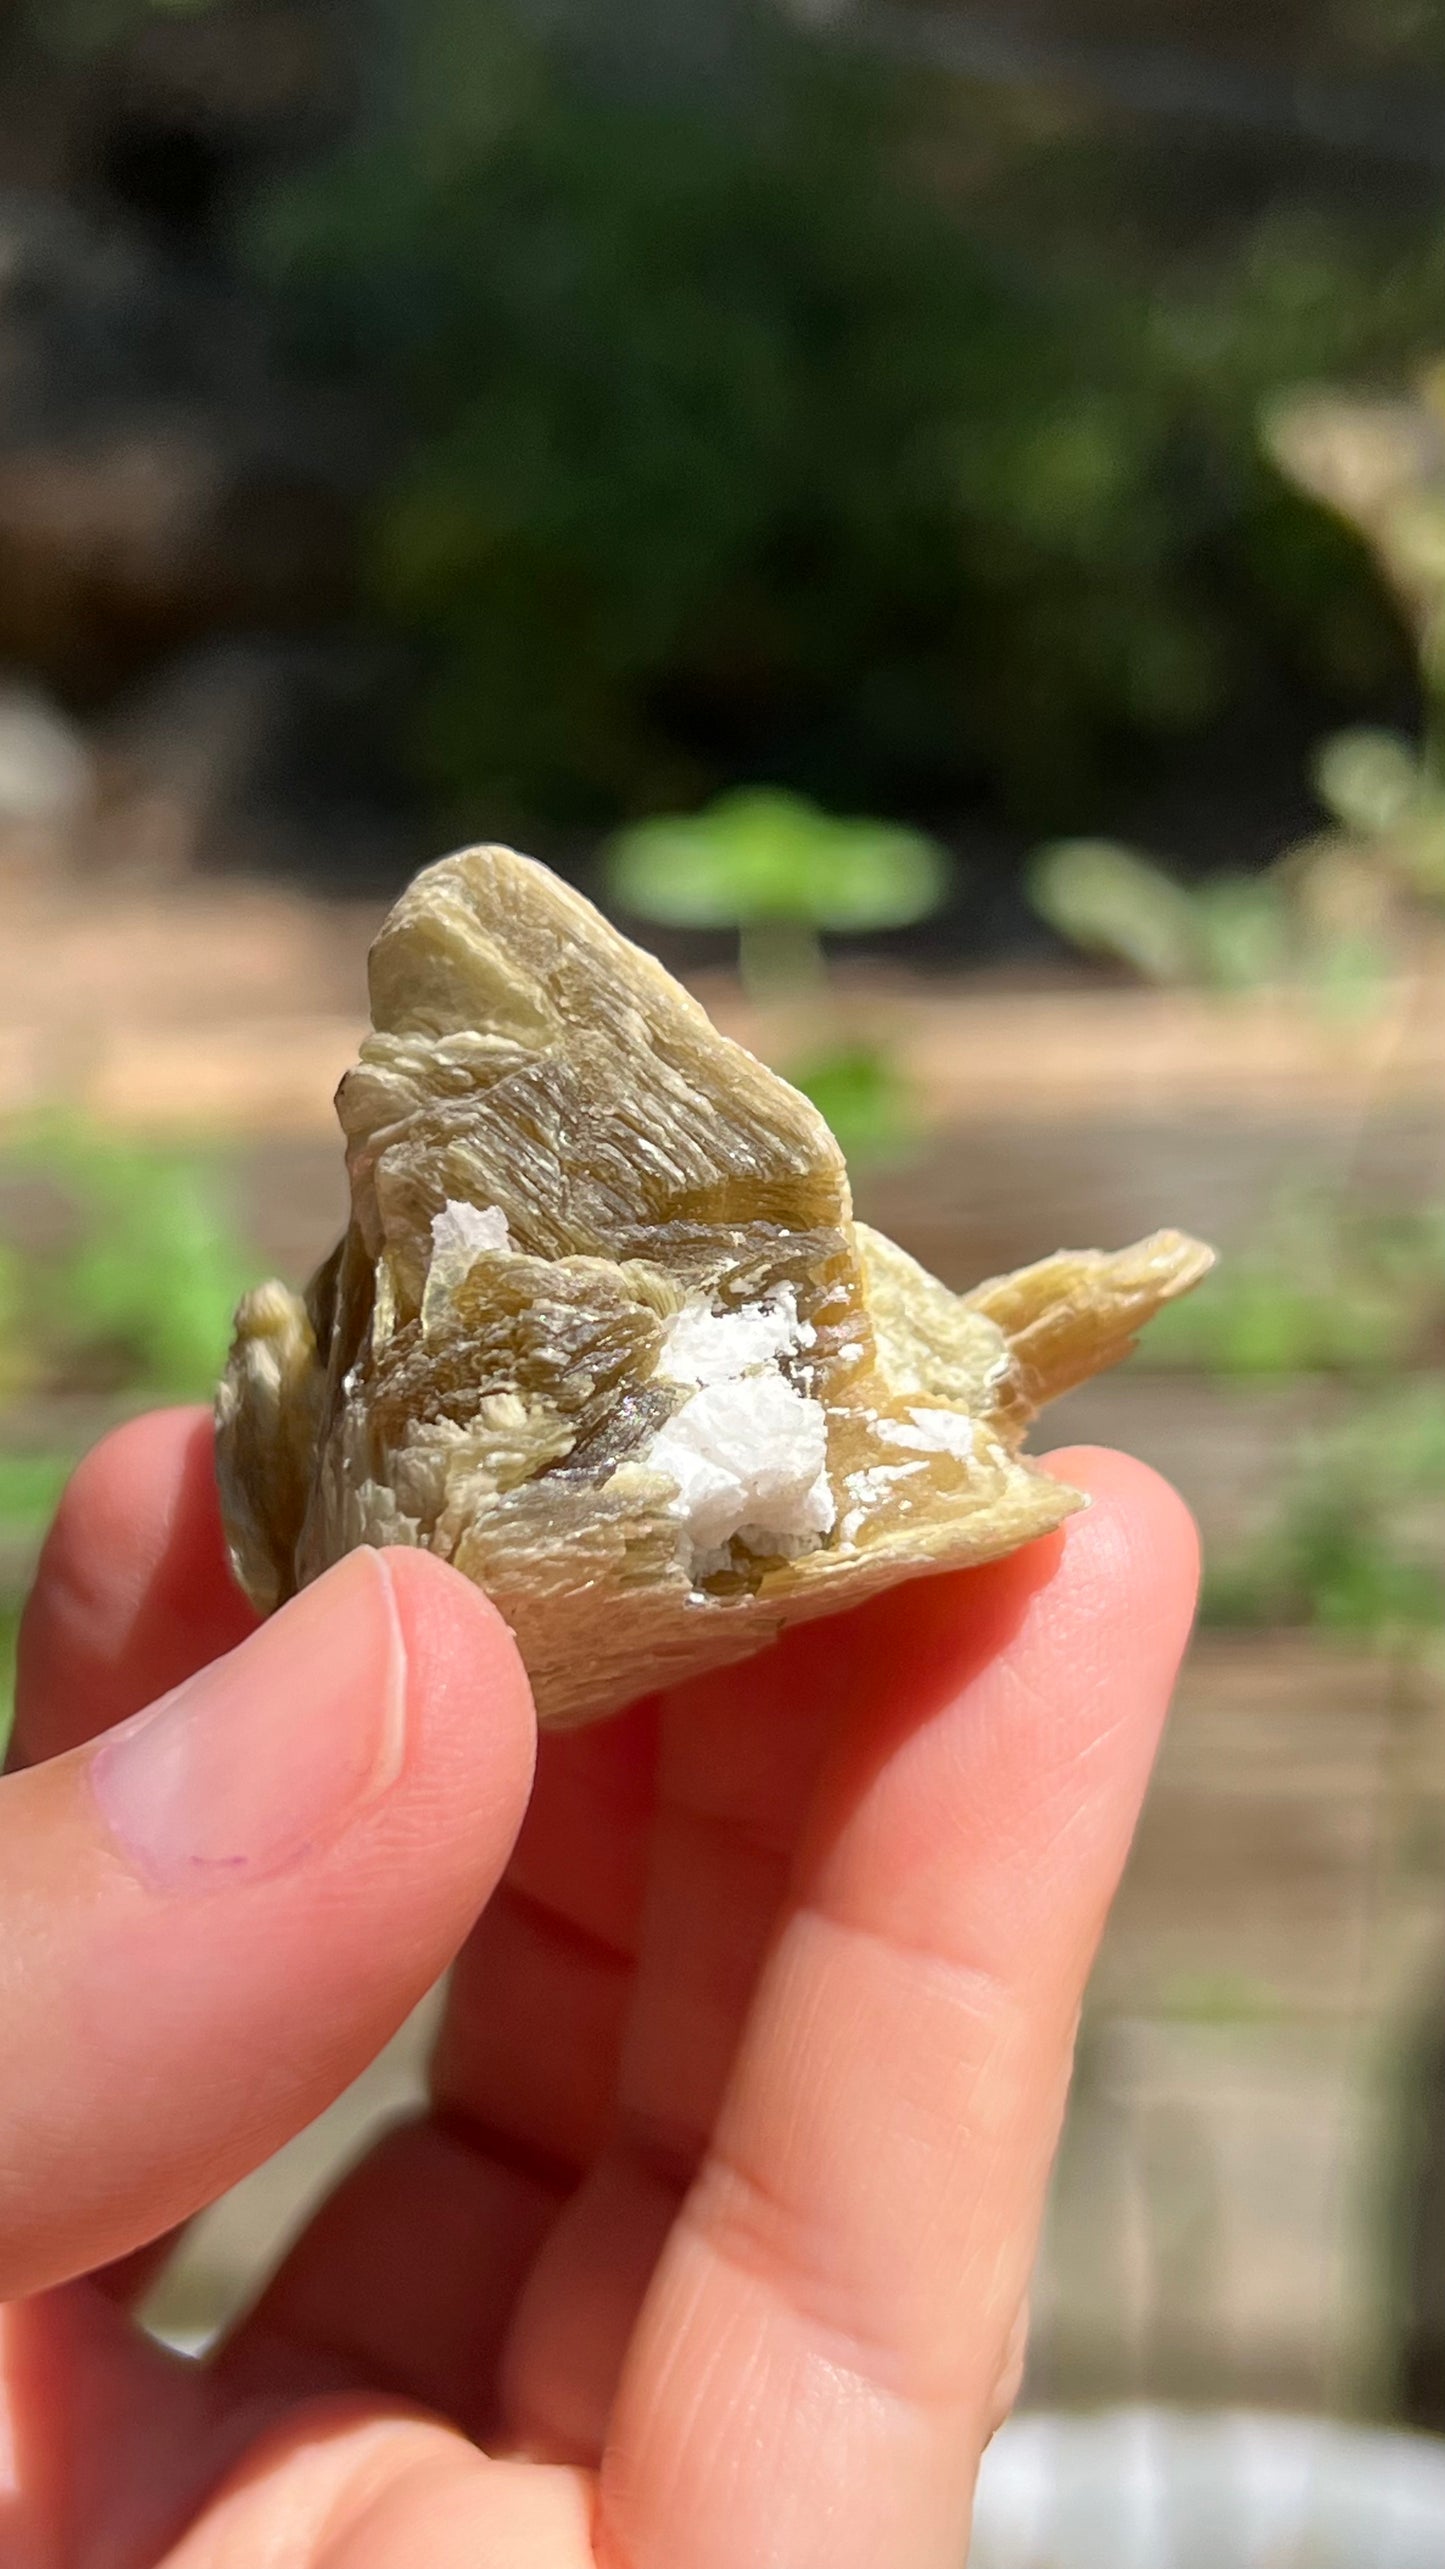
214,1916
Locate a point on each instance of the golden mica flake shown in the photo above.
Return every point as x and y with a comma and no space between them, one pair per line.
603,1332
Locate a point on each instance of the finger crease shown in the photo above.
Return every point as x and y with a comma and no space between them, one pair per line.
990,1995
775,1846
669,2153
559,1929
756,2233
549,2170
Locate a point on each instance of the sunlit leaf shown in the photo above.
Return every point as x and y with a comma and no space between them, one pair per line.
144,1290
30,1489
1109,900
1244,931
759,855
862,1097
1370,780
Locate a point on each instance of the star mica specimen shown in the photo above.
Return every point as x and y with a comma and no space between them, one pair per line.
602,1330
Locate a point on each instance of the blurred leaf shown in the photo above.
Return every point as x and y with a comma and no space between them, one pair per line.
1413,541
1252,1318
1219,1998
1417,853
145,1292
1349,980
30,1490
1244,931
1355,1548
1321,1289
1109,900
1357,455
757,856
863,1098
1372,781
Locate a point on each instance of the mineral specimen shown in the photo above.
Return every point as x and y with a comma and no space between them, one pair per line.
602,1330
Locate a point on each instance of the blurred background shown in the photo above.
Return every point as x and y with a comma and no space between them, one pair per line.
933,511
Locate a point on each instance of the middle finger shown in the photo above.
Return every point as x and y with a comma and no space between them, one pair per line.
739,1757
408,2274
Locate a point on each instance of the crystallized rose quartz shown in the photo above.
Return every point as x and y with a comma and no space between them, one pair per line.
603,1332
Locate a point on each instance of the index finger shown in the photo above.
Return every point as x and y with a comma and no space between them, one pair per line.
814,2373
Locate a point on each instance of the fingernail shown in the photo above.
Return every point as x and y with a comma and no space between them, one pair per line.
256,1762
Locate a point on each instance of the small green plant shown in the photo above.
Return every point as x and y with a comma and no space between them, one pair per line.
139,1290
1356,1548
1322,1288
1232,933
1332,914
1330,1288
1337,910
129,1294
782,874
863,1098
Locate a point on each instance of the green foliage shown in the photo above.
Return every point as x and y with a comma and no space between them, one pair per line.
1378,463
1337,910
1357,1548
1228,934
1219,1998
1322,1289
780,871
733,445
1388,801
141,1292
661,362
758,855
1331,915
1358,1539
1110,901
1262,1322
13,1318
1371,781
132,1296
1356,1545
81,27
156,1276
30,1489
863,1098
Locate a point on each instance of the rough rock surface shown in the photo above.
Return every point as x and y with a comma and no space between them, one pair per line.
602,1330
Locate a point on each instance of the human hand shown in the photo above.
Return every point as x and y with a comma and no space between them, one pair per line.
712,2250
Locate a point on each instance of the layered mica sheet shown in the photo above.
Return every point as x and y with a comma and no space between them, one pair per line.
603,1332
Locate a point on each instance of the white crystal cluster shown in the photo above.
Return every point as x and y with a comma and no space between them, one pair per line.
748,1452
460,1234
933,1431
468,1231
